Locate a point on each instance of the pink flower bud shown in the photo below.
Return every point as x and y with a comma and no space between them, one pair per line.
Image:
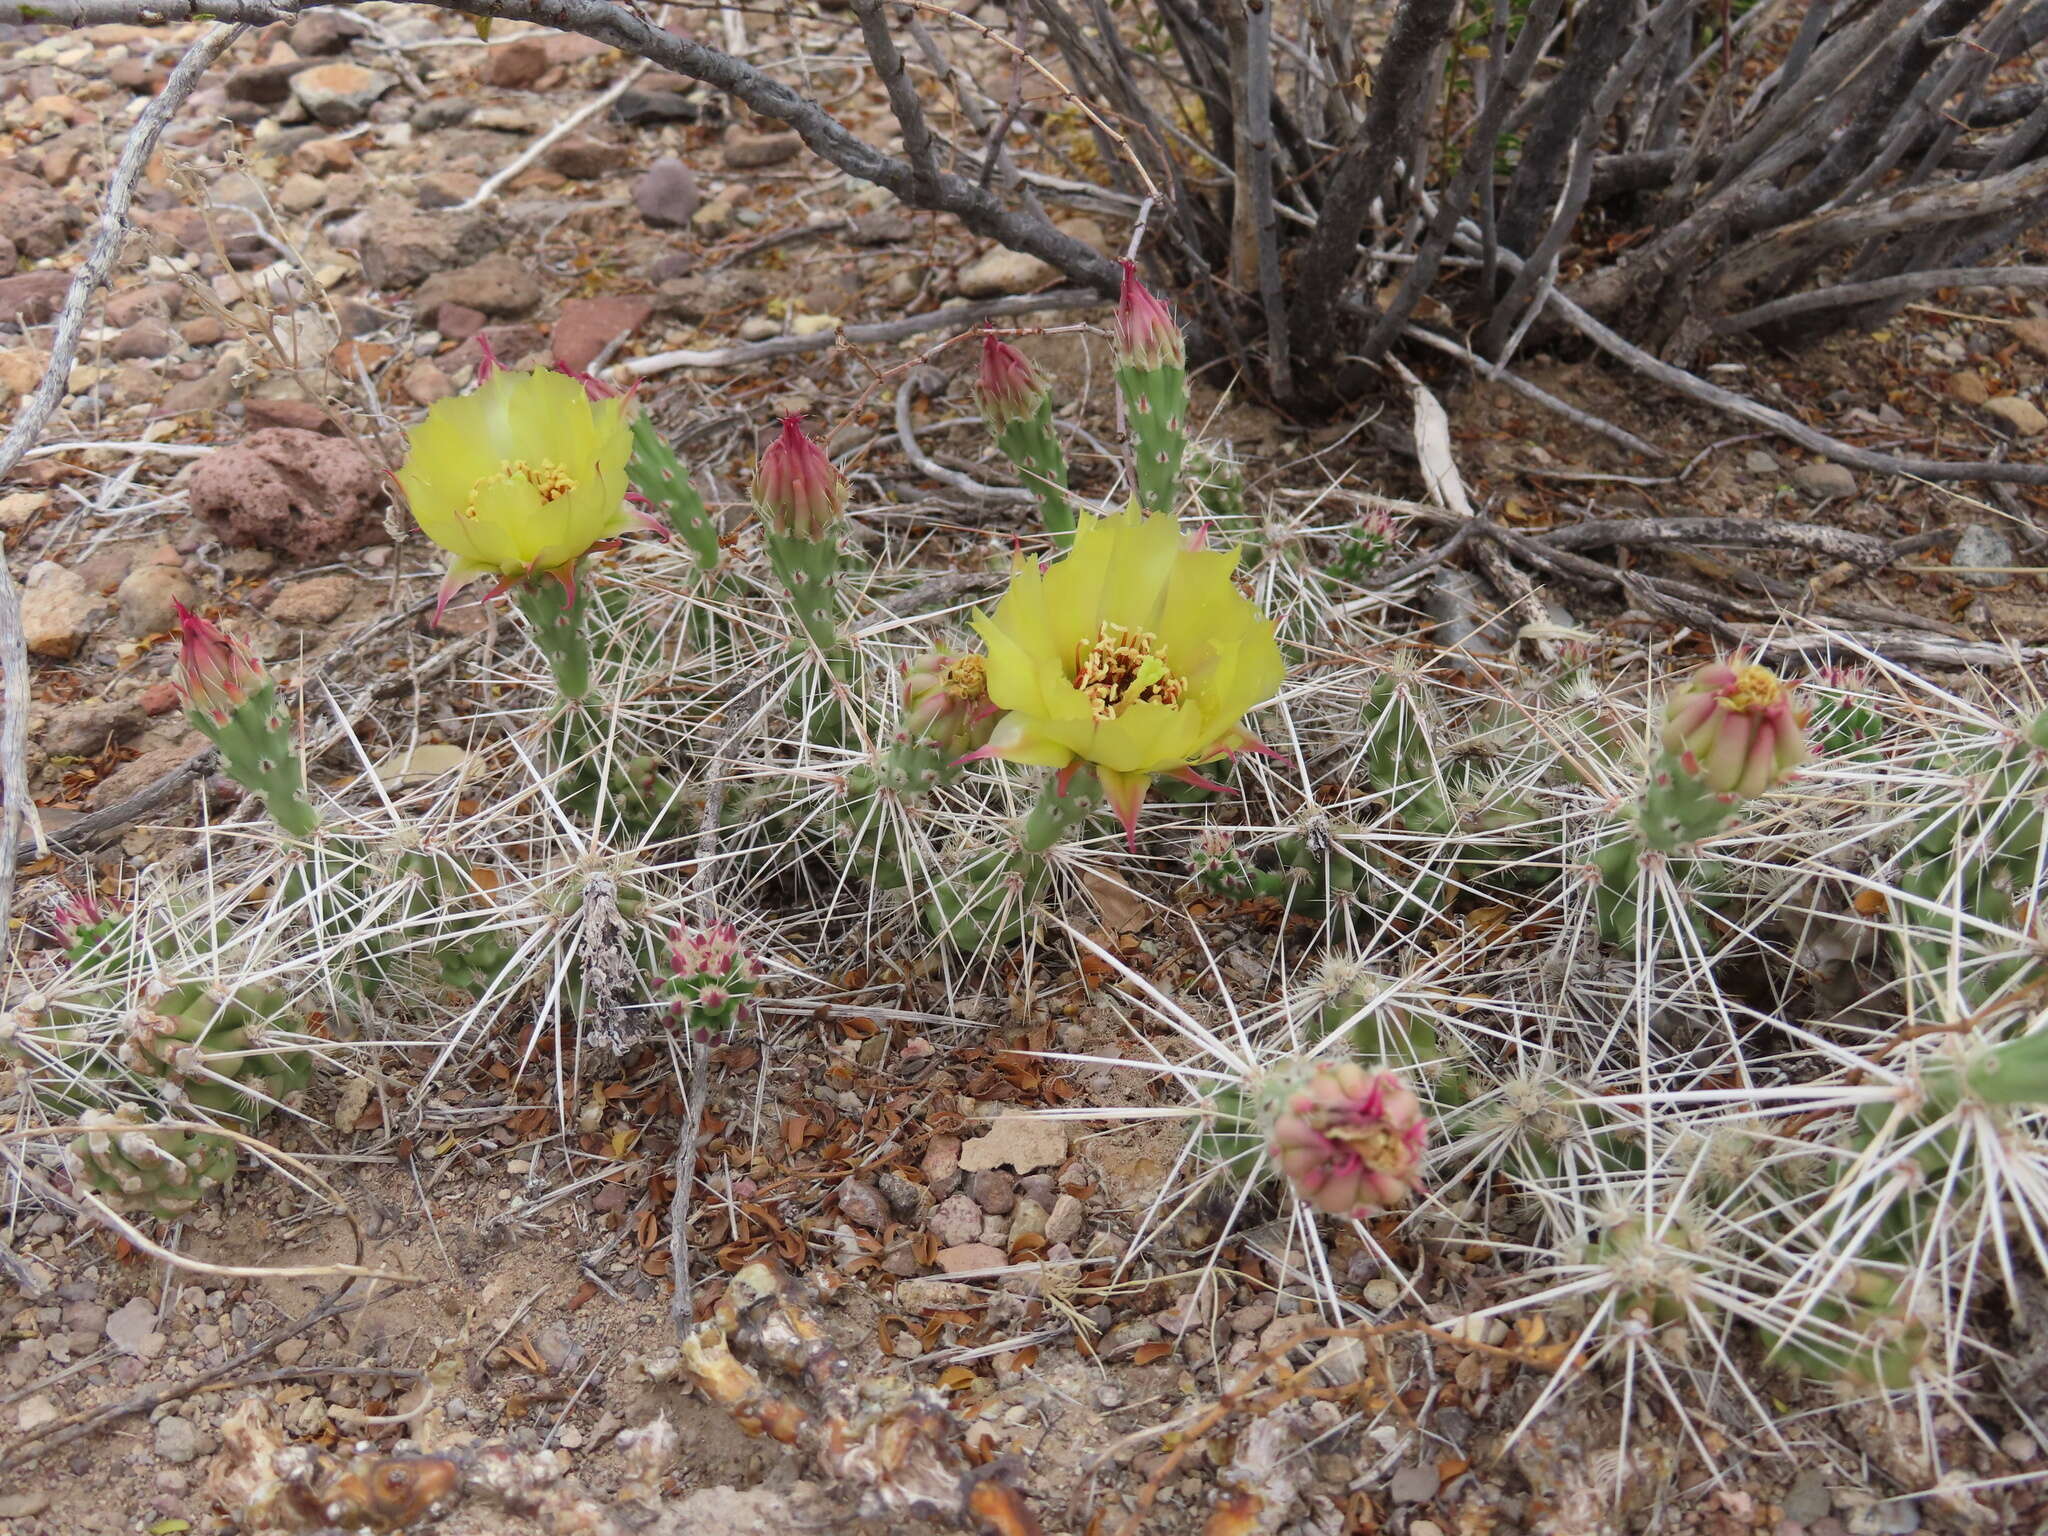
1736,728
1009,388
216,673
76,916
1146,336
946,702
797,490
1350,1140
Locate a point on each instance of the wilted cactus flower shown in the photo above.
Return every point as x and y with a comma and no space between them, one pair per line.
1146,336
945,700
1008,388
216,673
711,978
1134,655
1736,728
520,477
1350,1140
799,493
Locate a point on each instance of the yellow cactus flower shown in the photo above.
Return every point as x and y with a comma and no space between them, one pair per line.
1135,655
519,477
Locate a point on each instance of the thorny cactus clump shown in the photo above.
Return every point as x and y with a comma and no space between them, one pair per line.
1701,995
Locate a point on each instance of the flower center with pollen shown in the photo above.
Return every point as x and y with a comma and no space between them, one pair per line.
1376,1146
547,478
1124,666
967,679
1755,689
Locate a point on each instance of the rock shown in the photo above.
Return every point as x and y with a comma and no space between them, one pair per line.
647,103
447,189
339,94
514,66
130,1329
1003,271
265,84
1063,1224
137,75
323,157
1041,1187
955,1220
313,600
941,1165
1414,1485
1126,1338
159,301
261,411
30,298
885,228
504,118
319,34
424,382
1892,1517
2019,413
177,1440
20,508
937,1296
1982,545
147,337
2031,334
86,729
908,1199
36,219
862,1204
1758,462
743,151
558,1348
715,219
202,331
1969,387
497,285
1824,481
19,1506
401,246
512,345
35,1412
666,194
1021,1142
994,1191
458,322
582,158
57,611
131,778
1808,1499
967,1257
21,369
301,193
298,493
1090,233
1028,1220
588,326
147,597
207,393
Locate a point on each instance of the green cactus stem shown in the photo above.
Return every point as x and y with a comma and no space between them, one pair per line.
137,1166
659,474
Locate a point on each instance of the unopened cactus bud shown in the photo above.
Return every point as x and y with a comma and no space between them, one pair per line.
1736,728
797,490
82,923
1349,1140
1008,388
945,702
232,700
1146,335
216,673
711,980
